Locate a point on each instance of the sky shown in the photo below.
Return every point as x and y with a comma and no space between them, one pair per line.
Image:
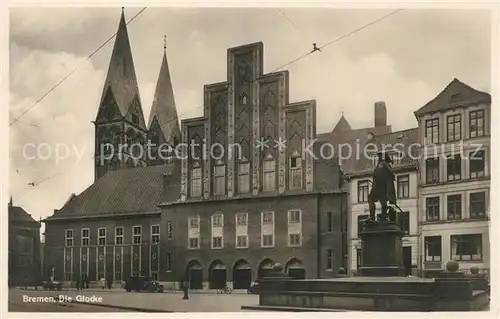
404,60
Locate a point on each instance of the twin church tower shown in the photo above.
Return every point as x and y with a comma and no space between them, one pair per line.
120,120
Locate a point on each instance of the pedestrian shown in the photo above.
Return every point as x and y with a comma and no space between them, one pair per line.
102,283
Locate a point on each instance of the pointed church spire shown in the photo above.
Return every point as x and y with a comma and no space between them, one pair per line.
121,81
163,110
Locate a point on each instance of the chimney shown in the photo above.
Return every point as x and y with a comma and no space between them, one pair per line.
380,114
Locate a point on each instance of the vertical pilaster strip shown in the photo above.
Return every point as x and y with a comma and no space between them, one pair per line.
140,260
121,259
281,133
97,263
71,262
64,262
309,138
184,163
105,263
256,123
131,260
207,140
88,262
80,251
114,263
230,124
150,271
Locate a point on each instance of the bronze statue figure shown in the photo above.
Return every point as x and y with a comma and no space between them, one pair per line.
383,189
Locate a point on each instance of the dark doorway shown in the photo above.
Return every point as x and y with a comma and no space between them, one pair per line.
407,260
194,274
242,275
265,268
295,269
217,275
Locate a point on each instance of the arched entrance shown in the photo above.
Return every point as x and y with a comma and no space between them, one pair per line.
265,268
295,269
242,275
217,275
194,275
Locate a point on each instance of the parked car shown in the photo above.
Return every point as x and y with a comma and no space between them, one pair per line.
142,283
51,285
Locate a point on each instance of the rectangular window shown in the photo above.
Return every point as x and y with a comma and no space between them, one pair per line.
69,237
136,235
85,237
454,167
193,243
196,182
454,127
363,189
101,236
432,170
477,205
194,221
294,239
119,236
219,180
454,207
294,216
267,217
244,178
433,248
169,230
466,247
269,180
155,234
295,179
403,186
168,263
267,240
242,241
361,219
217,242
476,123
404,222
241,219
432,208
477,163
217,220
329,259
432,131
329,220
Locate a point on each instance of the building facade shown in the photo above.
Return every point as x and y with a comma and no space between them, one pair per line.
241,211
455,174
24,260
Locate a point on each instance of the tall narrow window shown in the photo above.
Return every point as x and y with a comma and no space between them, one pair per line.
294,216
137,235
329,220
329,259
454,167
101,236
168,263
85,237
454,207
454,127
243,178
295,172
196,182
476,123
363,189
119,236
433,248
404,222
403,186
432,170
267,229
476,164
169,230
69,237
155,234
432,131
269,168
432,208
219,179
477,205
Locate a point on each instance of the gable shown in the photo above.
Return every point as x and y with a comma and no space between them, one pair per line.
108,110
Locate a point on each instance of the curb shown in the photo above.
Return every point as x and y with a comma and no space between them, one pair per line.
136,309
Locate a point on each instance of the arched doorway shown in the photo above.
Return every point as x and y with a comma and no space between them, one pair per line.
265,268
217,275
242,275
194,275
295,269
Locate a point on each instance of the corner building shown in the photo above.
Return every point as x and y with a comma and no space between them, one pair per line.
239,213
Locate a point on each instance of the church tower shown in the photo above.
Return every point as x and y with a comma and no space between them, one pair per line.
120,128
163,122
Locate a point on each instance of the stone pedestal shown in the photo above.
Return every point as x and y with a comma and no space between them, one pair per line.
382,249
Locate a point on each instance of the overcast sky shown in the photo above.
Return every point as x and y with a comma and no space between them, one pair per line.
404,60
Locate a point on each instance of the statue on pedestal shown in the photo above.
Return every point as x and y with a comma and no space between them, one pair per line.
383,189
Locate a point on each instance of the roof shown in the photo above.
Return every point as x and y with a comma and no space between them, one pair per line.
399,141
18,214
455,94
129,190
121,78
342,125
163,108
